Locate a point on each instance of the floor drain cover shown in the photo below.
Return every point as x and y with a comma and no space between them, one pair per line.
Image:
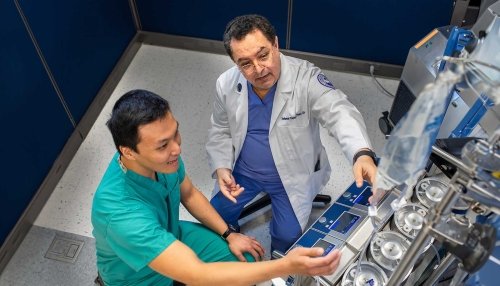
64,249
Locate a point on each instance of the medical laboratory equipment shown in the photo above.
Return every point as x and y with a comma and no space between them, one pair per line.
344,226
427,229
470,244
464,110
421,68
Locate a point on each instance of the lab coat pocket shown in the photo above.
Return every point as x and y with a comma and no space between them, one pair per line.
321,174
316,181
297,142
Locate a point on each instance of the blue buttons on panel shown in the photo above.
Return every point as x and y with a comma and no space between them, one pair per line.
330,219
314,238
356,196
309,238
327,246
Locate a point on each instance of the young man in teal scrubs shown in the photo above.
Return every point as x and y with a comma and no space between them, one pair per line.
135,213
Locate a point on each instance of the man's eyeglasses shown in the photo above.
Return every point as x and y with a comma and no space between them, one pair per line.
250,66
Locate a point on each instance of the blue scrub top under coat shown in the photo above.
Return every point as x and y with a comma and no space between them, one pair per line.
256,160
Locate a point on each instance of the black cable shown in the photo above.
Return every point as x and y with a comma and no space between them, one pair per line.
378,83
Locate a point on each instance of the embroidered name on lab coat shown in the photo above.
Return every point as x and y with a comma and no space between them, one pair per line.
293,117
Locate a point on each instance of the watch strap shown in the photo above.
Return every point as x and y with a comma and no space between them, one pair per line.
365,152
228,231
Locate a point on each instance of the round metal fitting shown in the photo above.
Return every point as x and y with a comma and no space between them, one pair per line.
430,191
387,248
409,219
370,274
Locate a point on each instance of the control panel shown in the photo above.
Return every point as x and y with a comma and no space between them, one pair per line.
346,226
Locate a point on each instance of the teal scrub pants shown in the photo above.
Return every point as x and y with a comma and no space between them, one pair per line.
209,246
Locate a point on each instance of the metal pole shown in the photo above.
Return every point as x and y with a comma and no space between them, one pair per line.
450,158
410,257
135,15
445,263
459,277
420,240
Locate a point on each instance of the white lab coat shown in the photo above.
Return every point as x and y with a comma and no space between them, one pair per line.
301,103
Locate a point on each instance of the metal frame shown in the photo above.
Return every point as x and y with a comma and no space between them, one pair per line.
135,15
289,24
459,12
44,64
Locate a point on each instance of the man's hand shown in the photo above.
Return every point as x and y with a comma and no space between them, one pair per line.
228,185
308,261
240,243
364,169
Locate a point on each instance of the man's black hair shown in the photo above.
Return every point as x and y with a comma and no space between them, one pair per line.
241,26
133,109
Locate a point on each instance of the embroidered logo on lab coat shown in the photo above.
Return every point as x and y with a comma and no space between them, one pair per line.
324,81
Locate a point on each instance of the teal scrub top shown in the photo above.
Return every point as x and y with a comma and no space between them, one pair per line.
134,219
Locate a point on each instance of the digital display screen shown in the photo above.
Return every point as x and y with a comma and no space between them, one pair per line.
327,246
362,199
344,223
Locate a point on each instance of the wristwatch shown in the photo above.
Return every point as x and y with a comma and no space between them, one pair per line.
365,152
230,229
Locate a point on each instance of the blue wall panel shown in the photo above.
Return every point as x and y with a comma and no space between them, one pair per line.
375,30
82,42
34,124
207,19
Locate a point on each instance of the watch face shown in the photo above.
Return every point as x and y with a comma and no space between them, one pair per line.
232,228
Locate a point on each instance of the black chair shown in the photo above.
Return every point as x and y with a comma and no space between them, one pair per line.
265,200
98,280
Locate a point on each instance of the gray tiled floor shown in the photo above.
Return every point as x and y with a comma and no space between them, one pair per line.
30,267
187,80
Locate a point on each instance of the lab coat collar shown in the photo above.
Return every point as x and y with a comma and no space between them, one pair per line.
241,88
285,80
283,91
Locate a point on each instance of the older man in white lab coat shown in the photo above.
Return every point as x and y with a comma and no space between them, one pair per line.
265,134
